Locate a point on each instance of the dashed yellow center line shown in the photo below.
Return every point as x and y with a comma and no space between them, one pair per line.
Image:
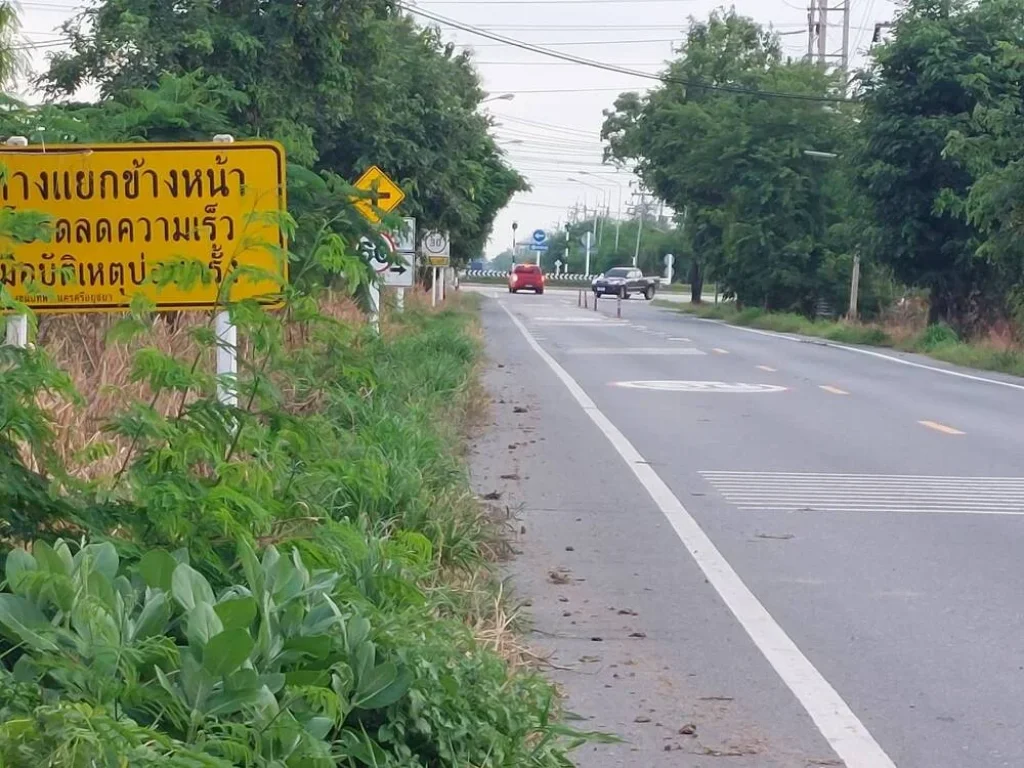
833,390
946,430
768,368
719,351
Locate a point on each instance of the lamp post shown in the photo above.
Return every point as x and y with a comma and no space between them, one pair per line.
515,226
500,97
852,310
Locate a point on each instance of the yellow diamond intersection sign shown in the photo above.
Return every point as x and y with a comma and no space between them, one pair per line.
388,194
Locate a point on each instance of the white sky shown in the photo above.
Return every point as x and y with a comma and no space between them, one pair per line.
550,129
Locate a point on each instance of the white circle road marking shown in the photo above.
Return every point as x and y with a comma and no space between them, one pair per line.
700,386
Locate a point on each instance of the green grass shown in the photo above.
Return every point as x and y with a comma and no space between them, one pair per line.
936,341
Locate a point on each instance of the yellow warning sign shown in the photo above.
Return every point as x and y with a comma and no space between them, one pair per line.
386,194
170,221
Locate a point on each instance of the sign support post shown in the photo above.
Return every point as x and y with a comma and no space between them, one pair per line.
375,307
400,299
227,337
17,325
433,287
588,236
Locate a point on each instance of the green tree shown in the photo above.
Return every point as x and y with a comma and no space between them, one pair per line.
925,85
342,84
755,209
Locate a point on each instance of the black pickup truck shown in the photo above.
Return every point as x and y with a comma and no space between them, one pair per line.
624,281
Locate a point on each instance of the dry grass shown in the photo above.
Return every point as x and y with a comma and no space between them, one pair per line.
101,372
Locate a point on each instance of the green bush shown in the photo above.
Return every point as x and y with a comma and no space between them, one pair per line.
150,662
937,335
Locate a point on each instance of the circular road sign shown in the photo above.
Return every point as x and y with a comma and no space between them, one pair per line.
539,236
380,262
435,242
701,386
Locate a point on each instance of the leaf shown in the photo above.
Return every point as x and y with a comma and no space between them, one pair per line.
190,587
357,631
157,568
202,623
251,567
48,559
19,563
153,618
238,613
227,651
101,559
381,688
26,622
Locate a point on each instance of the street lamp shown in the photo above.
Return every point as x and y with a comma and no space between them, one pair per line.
501,97
855,274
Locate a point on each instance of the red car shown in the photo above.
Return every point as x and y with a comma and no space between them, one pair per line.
526,277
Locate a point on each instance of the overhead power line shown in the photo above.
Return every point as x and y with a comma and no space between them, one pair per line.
664,78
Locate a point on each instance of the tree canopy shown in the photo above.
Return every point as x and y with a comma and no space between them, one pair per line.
342,84
754,208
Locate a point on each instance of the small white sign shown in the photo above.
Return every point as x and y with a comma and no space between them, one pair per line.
437,249
401,272
405,241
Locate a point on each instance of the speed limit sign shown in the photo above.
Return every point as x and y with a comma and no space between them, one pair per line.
436,249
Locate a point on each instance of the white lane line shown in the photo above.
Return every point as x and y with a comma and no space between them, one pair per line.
872,353
944,428
833,390
634,351
768,368
720,351
861,476
679,338
833,717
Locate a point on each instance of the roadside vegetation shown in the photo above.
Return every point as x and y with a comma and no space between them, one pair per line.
304,577
939,341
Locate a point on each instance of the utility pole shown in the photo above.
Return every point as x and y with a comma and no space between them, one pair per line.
854,288
818,37
822,32
639,229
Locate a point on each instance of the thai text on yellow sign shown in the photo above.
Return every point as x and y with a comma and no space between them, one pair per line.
121,212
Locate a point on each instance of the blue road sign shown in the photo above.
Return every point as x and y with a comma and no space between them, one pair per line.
541,247
539,236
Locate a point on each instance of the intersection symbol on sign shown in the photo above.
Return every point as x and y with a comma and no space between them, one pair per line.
386,193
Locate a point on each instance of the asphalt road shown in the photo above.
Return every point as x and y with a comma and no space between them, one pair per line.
857,599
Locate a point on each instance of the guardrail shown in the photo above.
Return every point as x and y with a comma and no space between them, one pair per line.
470,273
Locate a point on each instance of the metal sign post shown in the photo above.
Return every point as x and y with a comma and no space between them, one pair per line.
382,266
227,337
436,248
401,273
588,238
17,325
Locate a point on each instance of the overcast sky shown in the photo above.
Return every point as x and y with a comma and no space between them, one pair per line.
550,127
